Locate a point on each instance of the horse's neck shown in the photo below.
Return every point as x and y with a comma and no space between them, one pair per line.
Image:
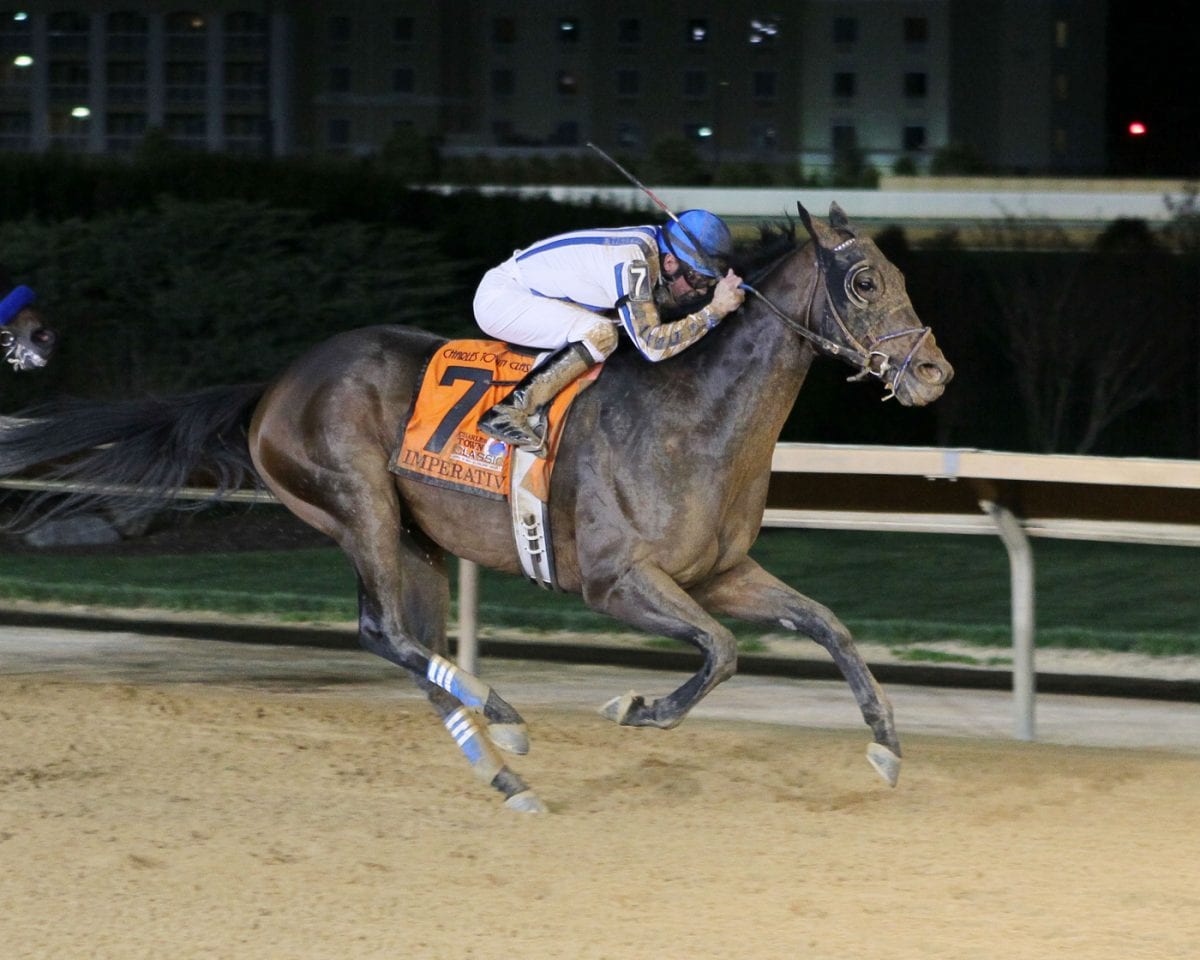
765,361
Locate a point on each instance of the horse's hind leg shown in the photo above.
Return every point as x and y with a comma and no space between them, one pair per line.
404,599
748,592
461,700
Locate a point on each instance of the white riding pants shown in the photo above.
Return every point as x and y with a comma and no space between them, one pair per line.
506,309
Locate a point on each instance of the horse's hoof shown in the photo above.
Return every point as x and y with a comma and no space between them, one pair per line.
617,709
886,763
509,737
526,802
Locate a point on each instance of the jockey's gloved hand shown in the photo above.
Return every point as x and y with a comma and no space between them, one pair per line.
727,295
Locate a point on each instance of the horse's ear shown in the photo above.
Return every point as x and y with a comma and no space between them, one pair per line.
808,224
838,219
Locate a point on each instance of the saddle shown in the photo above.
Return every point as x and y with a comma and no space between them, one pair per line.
441,445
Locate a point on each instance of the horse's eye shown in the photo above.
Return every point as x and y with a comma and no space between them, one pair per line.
864,284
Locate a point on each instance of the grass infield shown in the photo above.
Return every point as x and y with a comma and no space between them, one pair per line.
898,589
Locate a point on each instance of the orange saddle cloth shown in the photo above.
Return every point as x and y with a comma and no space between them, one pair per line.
441,443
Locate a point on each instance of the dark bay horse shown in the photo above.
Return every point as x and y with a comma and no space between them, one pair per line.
658,492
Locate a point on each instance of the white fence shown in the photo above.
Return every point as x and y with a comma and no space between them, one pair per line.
946,491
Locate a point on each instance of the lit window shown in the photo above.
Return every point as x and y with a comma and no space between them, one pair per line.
698,131
697,31
1060,34
568,30
763,32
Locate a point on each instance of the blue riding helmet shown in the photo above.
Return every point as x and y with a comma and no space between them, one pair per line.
14,303
703,228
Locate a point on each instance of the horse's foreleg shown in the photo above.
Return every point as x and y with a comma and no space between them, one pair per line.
646,598
749,593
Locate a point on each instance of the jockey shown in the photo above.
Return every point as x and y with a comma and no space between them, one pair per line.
571,293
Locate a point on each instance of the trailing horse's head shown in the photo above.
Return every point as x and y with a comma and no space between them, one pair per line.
25,341
866,308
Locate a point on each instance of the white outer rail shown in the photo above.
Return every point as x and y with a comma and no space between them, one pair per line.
933,463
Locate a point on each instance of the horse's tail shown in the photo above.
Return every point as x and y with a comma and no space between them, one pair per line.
132,456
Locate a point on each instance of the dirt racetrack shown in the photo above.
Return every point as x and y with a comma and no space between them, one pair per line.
233,820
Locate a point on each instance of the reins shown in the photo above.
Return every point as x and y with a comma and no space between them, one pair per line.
856,353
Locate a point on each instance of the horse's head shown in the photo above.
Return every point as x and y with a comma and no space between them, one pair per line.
25,341
859,301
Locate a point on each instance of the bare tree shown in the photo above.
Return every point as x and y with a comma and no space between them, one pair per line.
1091,333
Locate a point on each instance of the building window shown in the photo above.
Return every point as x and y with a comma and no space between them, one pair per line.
697,31
245,82
763,32
339,29
628,134
1062,87
764,137
915,85
403,80
844,85
914,139
68,32
916,29
566,134
339,79
186,81
695,84
186,34
629,31
503,83
403,29
186,127
701,132
1060,141
504,31
127,32
567,83
338,131
1060,34
568,29
844,137
845,30
763,84
628,83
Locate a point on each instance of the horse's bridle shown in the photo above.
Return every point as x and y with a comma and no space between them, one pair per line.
870,360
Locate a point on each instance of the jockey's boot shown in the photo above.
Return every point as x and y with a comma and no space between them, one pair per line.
520,418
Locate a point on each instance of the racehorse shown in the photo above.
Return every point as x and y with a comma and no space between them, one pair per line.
26,343
658,492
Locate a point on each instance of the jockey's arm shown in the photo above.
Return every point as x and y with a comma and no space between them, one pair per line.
656,340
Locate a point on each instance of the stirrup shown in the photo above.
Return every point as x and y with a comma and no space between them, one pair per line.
500,424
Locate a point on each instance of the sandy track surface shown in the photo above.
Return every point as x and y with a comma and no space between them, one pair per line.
224,819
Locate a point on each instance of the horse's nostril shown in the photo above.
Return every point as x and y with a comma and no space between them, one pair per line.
43,337
931,373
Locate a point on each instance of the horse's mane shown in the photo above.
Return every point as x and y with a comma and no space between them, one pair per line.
775,240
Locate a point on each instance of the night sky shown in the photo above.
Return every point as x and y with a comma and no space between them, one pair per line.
1154,77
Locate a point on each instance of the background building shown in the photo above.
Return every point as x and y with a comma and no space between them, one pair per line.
1020,83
